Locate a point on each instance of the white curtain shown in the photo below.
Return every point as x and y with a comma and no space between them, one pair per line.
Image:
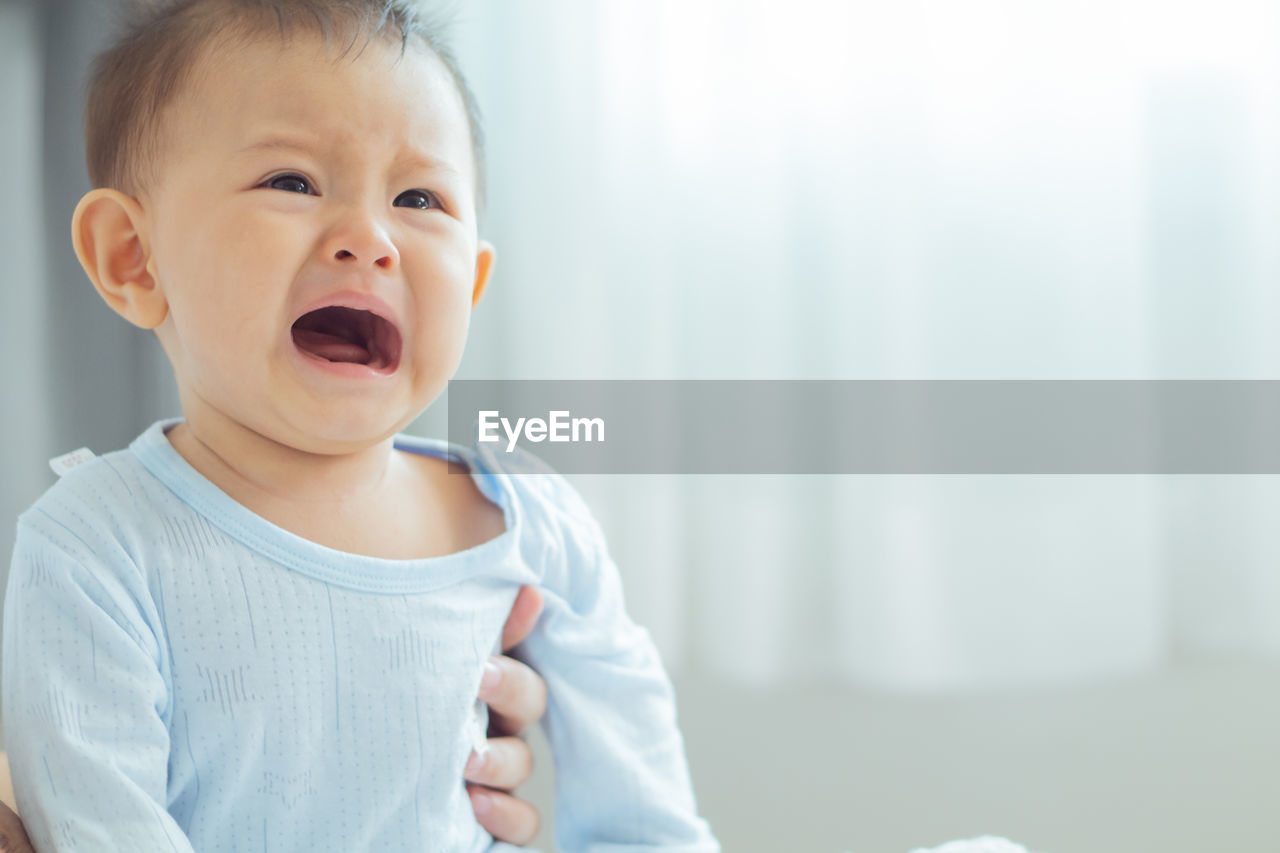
918,190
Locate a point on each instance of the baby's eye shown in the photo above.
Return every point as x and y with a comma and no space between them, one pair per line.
289,183
420,199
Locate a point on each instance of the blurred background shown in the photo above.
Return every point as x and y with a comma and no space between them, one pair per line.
739,189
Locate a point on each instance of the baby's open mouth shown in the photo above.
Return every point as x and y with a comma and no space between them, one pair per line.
338,333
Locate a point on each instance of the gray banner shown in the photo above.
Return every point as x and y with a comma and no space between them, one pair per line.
875,427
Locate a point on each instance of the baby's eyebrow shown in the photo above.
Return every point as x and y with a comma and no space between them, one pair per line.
285,143
430,163
277,143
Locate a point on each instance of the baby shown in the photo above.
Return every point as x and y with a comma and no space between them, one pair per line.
262,626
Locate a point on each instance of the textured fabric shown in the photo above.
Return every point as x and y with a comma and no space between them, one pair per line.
181,674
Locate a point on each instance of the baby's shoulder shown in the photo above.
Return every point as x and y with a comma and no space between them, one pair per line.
542,493
97,505
559,533
82,547
555,531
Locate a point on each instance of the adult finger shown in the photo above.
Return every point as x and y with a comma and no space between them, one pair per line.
515,694
524,615
506,764
504,817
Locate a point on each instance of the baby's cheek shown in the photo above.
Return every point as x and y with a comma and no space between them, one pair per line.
454,266
447,311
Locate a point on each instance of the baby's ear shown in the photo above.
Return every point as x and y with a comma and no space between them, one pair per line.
108,232
485,255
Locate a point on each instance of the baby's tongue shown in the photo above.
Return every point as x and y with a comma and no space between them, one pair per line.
329,347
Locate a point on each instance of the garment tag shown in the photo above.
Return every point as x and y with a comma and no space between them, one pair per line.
64,463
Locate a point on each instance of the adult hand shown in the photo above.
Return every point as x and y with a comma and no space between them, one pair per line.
517,698
13,838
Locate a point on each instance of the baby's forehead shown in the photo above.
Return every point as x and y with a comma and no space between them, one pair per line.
259,91
263,58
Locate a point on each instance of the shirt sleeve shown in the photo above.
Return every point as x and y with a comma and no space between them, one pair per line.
622,781
84,697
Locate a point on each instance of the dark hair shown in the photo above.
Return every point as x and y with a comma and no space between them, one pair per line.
162,42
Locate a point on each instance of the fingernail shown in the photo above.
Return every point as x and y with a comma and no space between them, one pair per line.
492,675
474,764
481,803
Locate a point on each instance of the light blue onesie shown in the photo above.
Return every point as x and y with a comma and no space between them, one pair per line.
180,674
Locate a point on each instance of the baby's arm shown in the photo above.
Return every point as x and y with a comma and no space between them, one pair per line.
622,782
84,696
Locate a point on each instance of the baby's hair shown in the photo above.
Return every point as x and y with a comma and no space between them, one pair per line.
161,43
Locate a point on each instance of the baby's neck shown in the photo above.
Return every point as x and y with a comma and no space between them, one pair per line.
377,502
254,469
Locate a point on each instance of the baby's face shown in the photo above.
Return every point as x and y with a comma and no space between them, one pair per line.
313,230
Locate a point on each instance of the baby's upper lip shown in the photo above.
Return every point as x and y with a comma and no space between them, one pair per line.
361,301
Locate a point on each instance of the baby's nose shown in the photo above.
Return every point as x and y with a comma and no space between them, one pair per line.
386,261
361,239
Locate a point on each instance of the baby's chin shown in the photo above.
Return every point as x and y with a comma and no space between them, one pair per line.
324,433
280,408
345,435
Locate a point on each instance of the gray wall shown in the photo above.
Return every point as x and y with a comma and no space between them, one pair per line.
75,375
